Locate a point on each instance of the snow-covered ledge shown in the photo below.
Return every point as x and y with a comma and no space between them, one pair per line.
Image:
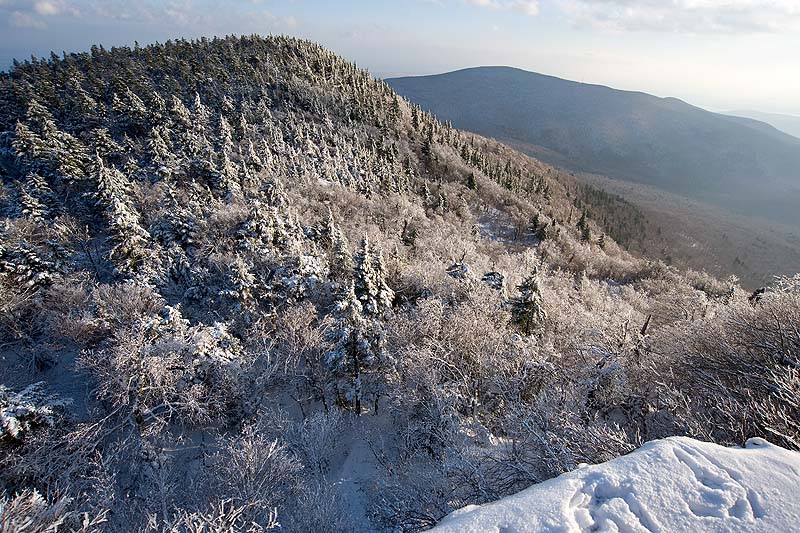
676,484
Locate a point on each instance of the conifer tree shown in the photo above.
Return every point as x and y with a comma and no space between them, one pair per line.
181,118
471,183
41,191
341,261
252,157
228,175
103,144
370,280
351,350
132,114
583,226
30,205
527,308
27,144
163,159
225,136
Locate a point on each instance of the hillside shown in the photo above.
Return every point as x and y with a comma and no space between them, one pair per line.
789,124
692,234
244,286
672,485
740,164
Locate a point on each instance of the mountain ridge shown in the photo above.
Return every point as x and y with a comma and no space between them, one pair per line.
786,123
744,165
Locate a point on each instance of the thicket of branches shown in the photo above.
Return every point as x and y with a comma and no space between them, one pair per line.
254,256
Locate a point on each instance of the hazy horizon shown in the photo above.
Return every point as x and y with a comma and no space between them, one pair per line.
738,56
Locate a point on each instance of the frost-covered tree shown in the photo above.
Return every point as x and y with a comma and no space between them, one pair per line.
104,145
22,412
583,227
369,273
527,307
352,350
30,205
341,262
163,158
131,111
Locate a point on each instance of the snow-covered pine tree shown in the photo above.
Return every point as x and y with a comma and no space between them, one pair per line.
583,226
227,177
111,184
351,351
225,135
341,262
252,158
370,280
30,206
528,308
334,240
163,160
180,116
37,187
103,144
132,113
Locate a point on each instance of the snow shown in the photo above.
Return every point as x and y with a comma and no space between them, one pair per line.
675,484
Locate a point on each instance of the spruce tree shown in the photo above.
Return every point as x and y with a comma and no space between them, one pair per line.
583,226
351,351
370,280
471,183
527,308
30,206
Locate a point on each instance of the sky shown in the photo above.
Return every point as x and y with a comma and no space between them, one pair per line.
718,54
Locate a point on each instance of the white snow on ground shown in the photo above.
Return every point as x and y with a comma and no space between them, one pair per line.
675,484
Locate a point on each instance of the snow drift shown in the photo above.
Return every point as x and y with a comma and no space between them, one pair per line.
675,484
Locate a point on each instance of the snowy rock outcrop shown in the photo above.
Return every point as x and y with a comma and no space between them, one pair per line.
675,484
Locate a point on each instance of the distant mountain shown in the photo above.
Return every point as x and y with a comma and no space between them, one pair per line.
786,123
738,163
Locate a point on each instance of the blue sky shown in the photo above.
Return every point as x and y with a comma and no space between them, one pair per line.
719,54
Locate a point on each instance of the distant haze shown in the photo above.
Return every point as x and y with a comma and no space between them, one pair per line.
737,163
786,123
737,54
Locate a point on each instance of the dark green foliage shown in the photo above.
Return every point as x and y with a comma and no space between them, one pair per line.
527,307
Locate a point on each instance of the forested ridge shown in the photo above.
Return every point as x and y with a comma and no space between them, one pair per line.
244,285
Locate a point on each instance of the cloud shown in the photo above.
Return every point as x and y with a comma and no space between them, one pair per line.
20,19
685,16
190,16
47,7
33,13
526,7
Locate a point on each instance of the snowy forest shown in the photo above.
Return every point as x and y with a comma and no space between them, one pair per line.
245,286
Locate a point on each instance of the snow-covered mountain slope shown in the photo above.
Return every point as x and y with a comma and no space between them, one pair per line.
676,484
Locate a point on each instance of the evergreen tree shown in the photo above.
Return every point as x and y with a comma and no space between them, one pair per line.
225,136
427,145
103,144
179,113
583,226
132,114
370,280
30,205
471,183
341,261
41,191
164,160
351,350
527,308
